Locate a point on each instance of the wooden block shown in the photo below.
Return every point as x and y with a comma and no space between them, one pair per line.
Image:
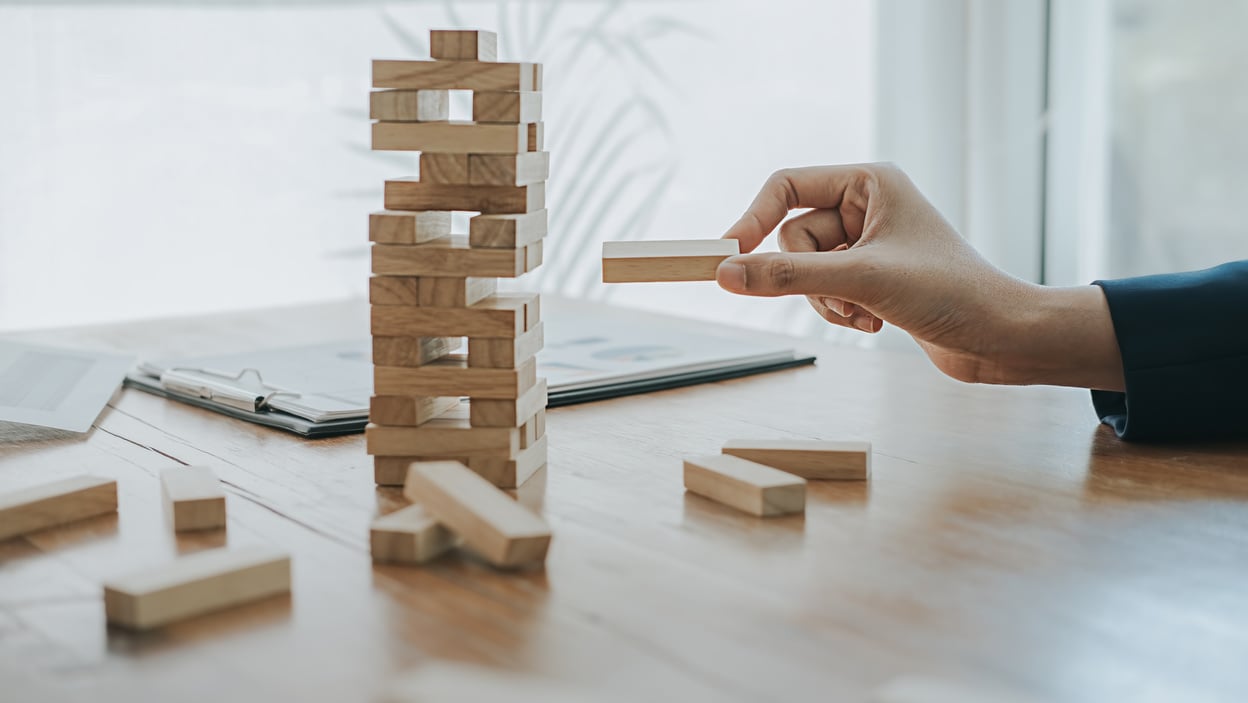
534,429
408,536
452,137
201,583
744,485
407,194
536,137
508,169
539,423
537,77
412,350
450,257
453,377
392,470
409,105
493,525
507,231
455,292
394,290
56,503
533,256
811,459
511,473
456,75
463,45
502,315
487,353
510,107
408,411
194,498
443,437
403,227
446,169
674,260
484,412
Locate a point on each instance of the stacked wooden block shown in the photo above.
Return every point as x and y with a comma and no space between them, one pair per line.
431,288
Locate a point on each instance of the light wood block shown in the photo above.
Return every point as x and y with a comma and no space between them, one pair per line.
394,290
456,75
450,257
534,429
487,353
508,169
533,256
407,194
505,315
453,377
412,350
745,485
673,260
484,412
507,231
406,227
409,105
443,437
445,169
408,535
463,45
56,503
510,107
408,411
455,292
511,473
493,525
201,583
810,459
193,497
454,138
539,423
536,136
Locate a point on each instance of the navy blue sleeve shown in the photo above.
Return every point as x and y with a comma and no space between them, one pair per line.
1184,344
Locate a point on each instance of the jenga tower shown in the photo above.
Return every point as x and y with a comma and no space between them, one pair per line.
430,288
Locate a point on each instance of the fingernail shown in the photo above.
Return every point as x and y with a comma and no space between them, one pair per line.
731,276
865,324
835,305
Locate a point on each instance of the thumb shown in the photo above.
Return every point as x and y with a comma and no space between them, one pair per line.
808,273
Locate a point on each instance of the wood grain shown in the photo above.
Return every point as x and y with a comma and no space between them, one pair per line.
453,377
405,227
412,350
408,535
504,315
406,194
808,458
453,138
450,257
503,106
193,498
745,485
409,105
463,45
456,75
55,503
507,231
487,353
670,260
485,412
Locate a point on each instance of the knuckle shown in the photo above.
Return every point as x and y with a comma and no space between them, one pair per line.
780,272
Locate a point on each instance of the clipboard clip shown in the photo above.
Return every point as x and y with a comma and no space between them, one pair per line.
245,390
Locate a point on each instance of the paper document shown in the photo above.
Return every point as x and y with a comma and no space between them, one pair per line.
54,387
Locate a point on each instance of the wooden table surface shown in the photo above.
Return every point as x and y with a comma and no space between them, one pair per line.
1005,542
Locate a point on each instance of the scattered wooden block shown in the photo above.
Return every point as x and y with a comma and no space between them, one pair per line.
487,353
194,498
484,412
508,169
537,136
408,536
510,107
493,525
408,411
456,75
412,350
409,105
444,169
533,256
402,227
453,377
744,485
407,194
500,315
201,583
455,138
534,429
394,290
511,473
673,260
450,257
455,292
811,459
513,231
443,437
463,45
56,503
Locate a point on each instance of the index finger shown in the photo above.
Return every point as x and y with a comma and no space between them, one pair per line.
787,189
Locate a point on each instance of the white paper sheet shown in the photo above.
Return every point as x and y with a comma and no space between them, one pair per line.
56,387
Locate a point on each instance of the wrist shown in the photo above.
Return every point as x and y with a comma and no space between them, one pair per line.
1066,338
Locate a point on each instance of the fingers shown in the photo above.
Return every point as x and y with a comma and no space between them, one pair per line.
817,230
831,274
860,320
814,187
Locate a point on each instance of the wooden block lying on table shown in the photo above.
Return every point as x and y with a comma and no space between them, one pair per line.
409,535
450,257
455,292
507,231
443,437
410,194
409,105
673,260
506,315
56,503
456,75
455,137
512,107
484,412
493,525
463,45
446,169
193,497
511,473
408,411
453,377
406,227
811,459
487,353
411,350
745,485
201,583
